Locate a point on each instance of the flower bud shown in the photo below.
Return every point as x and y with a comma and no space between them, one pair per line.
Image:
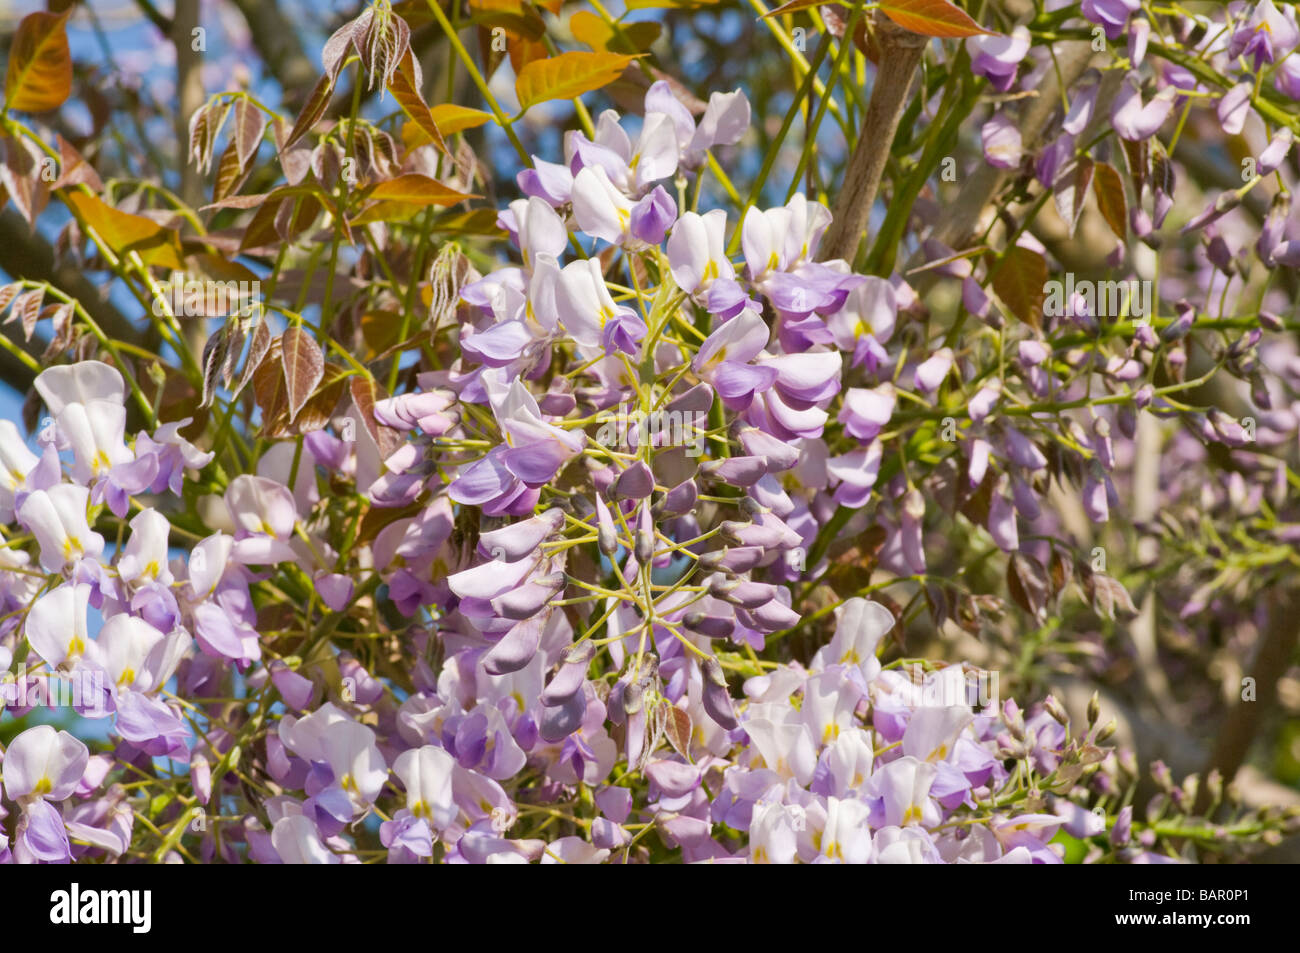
1107,730
720,587
1214,785
1273,232
645,545
568,680
524,602
1156,808
1179,327
1161,775
560,721
712,626
636,482
744,593
1013,719
1123,829
752,534
736,471
717,700
606,535
736,559
1222,205
1031,739
679,500
201,777
712,561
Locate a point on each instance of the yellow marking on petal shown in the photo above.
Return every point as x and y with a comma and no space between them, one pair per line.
911,815
831,733
43,786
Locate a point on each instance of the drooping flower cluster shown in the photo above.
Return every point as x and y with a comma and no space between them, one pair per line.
611,576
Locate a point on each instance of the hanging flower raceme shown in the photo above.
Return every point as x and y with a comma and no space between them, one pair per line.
616,539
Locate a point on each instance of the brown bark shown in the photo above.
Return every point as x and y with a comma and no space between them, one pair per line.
1276,649
190,98
900,54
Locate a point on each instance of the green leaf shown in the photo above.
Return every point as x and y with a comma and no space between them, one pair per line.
304,365
366,392
1027,584
667,4
249,126
1109,189
1070,192
39,76
793,6
311,111
603,38
568,76
258,346
399,198
124,233
1019,280
678,729
452,119
931,18
266,227
405,87
417,189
